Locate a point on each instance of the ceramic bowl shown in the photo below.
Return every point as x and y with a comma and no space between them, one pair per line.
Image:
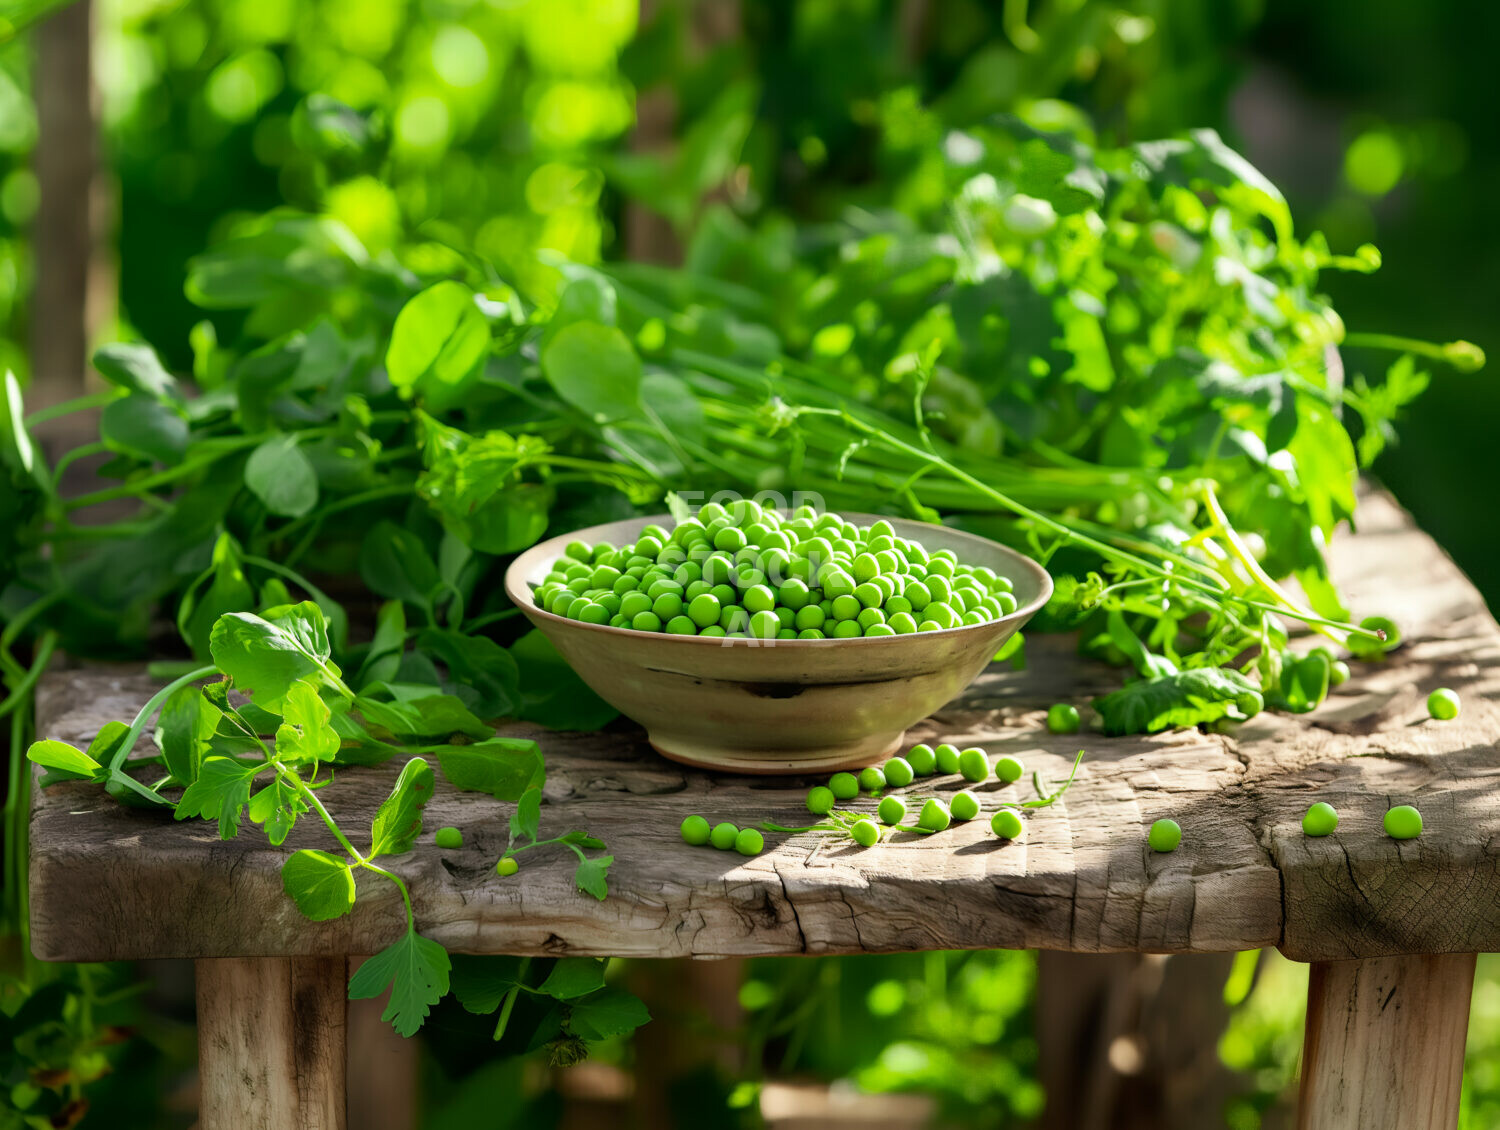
779,706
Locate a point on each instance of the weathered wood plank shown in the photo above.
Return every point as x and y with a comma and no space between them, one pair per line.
111,883
1385,1043
271,1043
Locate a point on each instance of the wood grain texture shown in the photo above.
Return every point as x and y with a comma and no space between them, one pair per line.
271,1043
111,883
1384,1045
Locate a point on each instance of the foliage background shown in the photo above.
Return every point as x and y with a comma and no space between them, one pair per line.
508,126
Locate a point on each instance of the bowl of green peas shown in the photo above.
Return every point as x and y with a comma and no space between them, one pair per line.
757,640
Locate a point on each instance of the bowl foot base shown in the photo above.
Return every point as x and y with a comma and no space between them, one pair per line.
786,762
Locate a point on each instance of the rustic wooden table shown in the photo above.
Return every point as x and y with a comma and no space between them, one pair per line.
1390,927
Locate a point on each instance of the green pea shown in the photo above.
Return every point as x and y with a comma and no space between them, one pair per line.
877,630
713,630
917,595
870,617
810,634
941,590
1007,603
1063,719
695,830
733,618
837,583
730,538
820,800
1403,822
764,625
809,616
506,866
785,617
1443,704
898,772
846,607
871,779
1009,769
578,550
794,594
723,836
594,613
974,764
947,758
1007,824
666,606
964,805
759,598
897,604
922,760
935,815
1164,835
902,623
869,595
865,832
1321,819
847,630
448,838
865,566
681,626
845,786
749,842
705,609
1338,673
647,621
892,810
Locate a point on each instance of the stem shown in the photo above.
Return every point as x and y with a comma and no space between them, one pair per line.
161,478
510,999
77,404
153,704
44,648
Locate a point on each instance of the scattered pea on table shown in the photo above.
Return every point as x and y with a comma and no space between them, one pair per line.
723,836
871,779
449,839
922,760
935,816
820,800
947,758
1403,822
1063,719
1321,819
898,772
1009,770
748,841
845,786
1443,704
963,805
507,866
892,810
865,832
695,830
1164,836
974,764
1007,824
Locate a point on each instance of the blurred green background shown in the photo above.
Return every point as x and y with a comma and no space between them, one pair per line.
594,130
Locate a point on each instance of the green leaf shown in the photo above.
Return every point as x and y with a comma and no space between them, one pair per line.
398,822
276,807
1188,698
307,733
595,369
575,977
415,969
415,711
503,767
1148,664
280,474
142,426
228,591
64,758
135,366
395,563
184,731
1303,684
1326,468
438,345
383,659
320,884
552,694
591,876
481,982
265,655
220,793
607,1013
526,820
588,298
482,665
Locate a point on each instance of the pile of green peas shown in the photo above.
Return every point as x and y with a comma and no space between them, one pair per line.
744,571
935,814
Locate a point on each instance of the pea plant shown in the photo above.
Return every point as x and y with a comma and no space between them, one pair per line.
213,746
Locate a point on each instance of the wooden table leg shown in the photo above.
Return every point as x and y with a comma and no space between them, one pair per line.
1385,1043
271,1042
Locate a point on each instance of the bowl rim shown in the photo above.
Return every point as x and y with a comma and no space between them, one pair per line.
522,595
